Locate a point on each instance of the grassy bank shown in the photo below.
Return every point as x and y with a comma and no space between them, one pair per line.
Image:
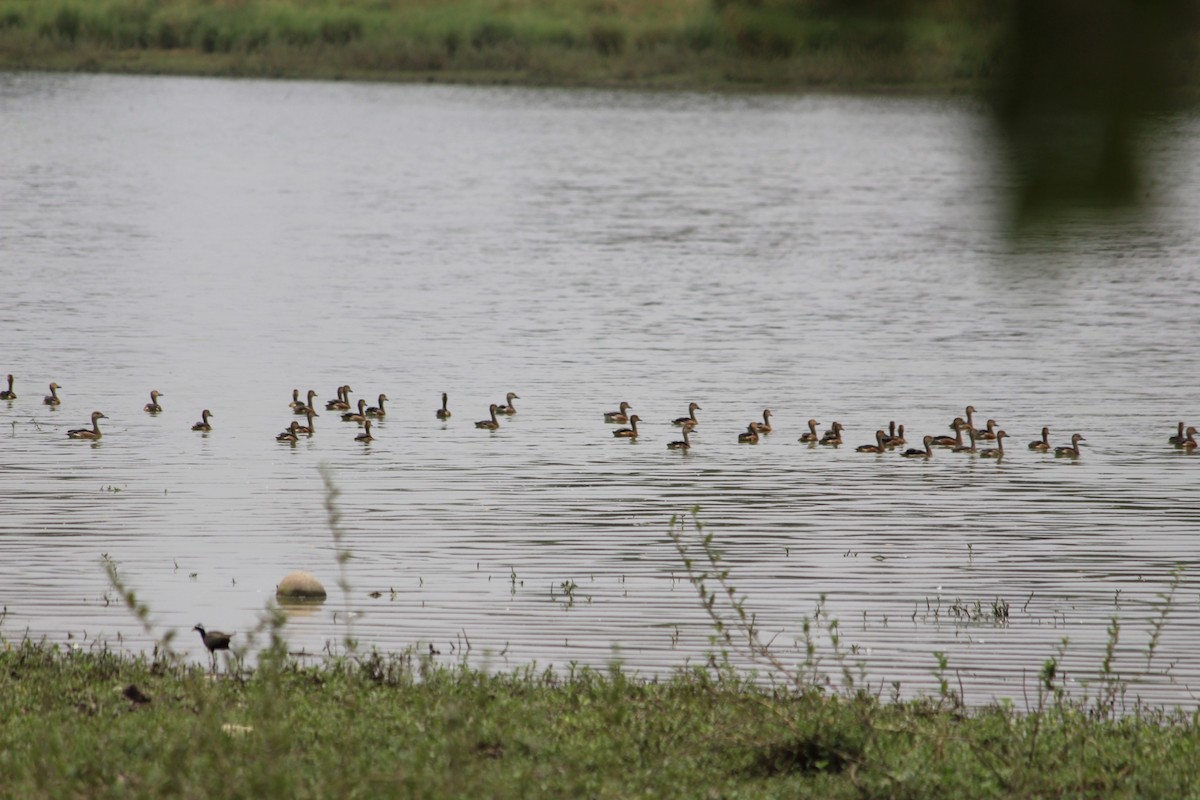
96,724
775,44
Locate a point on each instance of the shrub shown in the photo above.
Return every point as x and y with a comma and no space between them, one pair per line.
607,39
493,33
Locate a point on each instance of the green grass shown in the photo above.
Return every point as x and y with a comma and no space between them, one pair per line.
406,726
693,43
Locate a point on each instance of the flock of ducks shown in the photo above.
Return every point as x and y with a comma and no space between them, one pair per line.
893,438
885,441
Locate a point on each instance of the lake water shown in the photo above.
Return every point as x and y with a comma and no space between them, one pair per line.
226,242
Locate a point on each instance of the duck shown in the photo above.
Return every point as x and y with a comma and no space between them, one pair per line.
88,433
914,452
203,425
1042,444
622,416
507,407
153,407
812,437
303,408
873,448
833,436
52,398
683,444
9,394
996,452
342,403
378,411
1176,440
765,425
691,417
895,438
988,433
296,402
309,429
491,424
750,436
966,448
292,434
365,436
955,440
444,412
970,412
360,417
631,432
1189,440
1071,450
958,422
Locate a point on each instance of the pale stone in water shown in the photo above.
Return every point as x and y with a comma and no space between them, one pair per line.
300,585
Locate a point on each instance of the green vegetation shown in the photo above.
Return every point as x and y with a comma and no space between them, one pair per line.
97,724
778,44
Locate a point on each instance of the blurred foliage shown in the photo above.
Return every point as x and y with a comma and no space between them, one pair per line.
1082,82
1073,84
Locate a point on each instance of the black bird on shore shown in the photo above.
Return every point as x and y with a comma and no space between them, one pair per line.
214,641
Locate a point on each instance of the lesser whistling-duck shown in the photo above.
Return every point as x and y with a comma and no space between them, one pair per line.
967,448
988,433
1178,438
998,450
621,416
309,429
52,398
895,438
691,417
914,452
302,409
360,417
952,441
873,448
812,435
378,411
1071,450
631,432
970,412
153,407
292,434
1042,444
296,401
88,433
765,425
1189,440
507,407
365,436
444,411
683,444
203,425
750,436
833,436
491,424
342,403
8,394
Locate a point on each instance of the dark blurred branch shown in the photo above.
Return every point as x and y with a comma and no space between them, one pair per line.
1080,81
